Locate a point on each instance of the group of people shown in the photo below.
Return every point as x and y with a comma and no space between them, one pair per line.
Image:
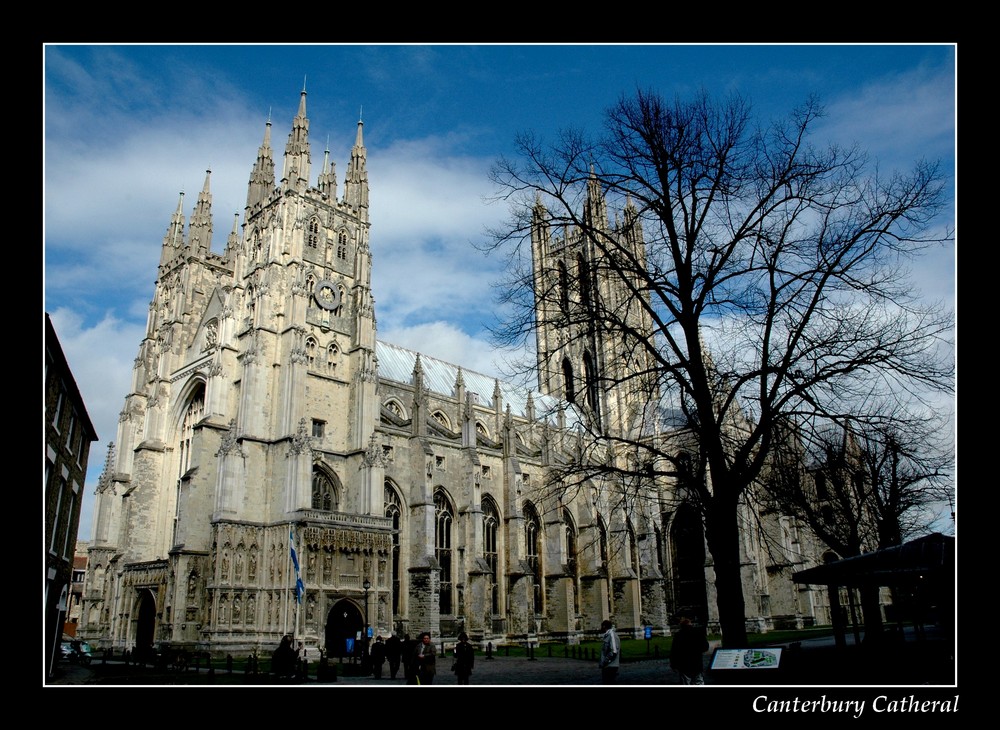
418,658
686,653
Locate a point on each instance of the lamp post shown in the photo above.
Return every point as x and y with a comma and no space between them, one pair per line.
367,586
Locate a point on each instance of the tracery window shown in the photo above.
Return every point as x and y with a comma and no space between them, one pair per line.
443,520
569,388
324,493
311,347
572,563
332,352
394,511
441,418
563,287
491,551
313,236
533,547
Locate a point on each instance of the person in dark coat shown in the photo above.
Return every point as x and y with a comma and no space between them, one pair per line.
465,658
378,657
425,660
686,650
283,658
393,652
408,647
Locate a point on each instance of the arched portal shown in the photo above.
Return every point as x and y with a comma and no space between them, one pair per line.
343,622
687,537
145,626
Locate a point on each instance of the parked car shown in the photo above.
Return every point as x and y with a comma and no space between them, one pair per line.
76,651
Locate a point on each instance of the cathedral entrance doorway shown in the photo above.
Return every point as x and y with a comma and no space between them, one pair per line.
342,623
145,626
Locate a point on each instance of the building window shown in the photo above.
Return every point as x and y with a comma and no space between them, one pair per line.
533,547
569,388
342,246
57,416
439,462
491,552
318,428
563,287
441,418
590,379
324,493
572,563
332,352
444,517
481,430
394,511
311,347
313,238
194,413
74,424
487,472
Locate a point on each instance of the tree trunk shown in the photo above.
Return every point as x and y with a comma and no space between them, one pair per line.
723,536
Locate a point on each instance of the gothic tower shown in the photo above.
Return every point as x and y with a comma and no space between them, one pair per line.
590,324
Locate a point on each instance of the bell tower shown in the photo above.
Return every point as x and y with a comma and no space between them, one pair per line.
587,314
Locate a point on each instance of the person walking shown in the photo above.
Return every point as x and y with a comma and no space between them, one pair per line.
465,658
610,653
393,652
686,650
425,660
378,657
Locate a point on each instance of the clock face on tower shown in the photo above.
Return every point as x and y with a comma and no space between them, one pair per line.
327,294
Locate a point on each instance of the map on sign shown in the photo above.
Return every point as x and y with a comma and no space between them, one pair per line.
746,659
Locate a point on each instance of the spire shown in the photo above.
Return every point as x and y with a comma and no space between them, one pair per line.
174,238
356,180
234,239
262,176
596,208
200,228
327,182
297,159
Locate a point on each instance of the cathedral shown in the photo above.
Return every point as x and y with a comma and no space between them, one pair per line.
279,469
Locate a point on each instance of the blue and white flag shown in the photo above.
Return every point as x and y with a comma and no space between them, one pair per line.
299,585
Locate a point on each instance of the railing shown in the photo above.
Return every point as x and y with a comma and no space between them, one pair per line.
346,520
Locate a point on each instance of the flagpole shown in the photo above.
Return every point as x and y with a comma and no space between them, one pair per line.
288,572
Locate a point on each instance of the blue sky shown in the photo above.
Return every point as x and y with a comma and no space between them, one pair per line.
129,127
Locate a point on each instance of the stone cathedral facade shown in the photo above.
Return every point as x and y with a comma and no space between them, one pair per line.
264,411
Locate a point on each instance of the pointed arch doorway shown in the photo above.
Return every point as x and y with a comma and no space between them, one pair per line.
145,626
343,622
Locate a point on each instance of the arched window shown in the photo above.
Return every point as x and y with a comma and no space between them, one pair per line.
194,412
444,516
481,430
312,239
394,408
332,353
491,551
590,380
441,418
394,511
324,493
311,347
563,287
572,564
602,531
568,385
633,550
533,548
583,271
342,245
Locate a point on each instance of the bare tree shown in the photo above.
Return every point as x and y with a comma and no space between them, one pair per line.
860,492
749,281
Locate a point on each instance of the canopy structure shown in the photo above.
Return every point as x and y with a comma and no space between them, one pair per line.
920,572
926,559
